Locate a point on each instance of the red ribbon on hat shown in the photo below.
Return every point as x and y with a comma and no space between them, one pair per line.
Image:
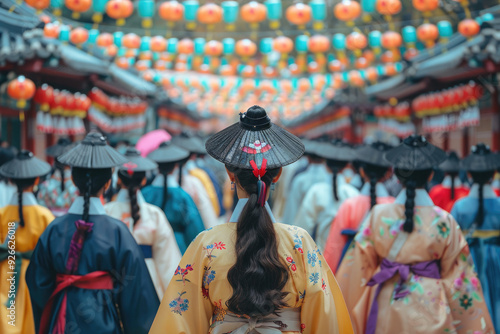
259,172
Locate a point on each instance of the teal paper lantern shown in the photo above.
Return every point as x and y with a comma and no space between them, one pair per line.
146,10
230,13
301,43
190,11
368,6
172,45
445,29
199,46
57,5
64,32
98,6
375,39
117,38
318,8
486,18
228,46
93,34
274,12
266,45
339,42
145,43
409,35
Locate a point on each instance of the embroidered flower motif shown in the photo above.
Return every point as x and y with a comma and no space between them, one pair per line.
179,304
302,294
312,258
220,245
298,243
208,277
183,273
219,312
323,284
291,263
314,278
443,229
302,327
465,302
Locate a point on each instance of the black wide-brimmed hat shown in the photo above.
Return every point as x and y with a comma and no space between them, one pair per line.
168,152
137,163
25,166
481,159
373,154
415,153
451,164
62,146
255,138
337,150
189,142
311,146
93,152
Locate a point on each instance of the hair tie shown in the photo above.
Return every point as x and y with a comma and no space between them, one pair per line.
261,186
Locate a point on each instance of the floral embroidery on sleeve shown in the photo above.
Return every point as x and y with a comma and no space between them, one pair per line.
291,263
314,278
209,274
179,304
312,258
443,229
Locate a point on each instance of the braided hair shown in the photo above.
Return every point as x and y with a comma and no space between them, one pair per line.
89,182
22,184
411,180
60,167
375,174
133,182
481,178
165,169
336,166
453,176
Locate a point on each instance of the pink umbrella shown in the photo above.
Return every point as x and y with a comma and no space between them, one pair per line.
151,141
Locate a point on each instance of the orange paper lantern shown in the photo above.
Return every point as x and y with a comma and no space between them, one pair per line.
318,44
79,36
171,11
299,14
283,44
391,40
469,28
213,48
210,13
104,40
245,48
347,11
371,74
303,85
253,12
39,5
78,6
355,79
428,33
131,41
361,63
158,44
425,5
388,7
122,62
119,10
356,41
21,89
51,30
185,46
336,66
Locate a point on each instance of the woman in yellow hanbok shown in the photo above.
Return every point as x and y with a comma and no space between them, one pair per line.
22,222
253,275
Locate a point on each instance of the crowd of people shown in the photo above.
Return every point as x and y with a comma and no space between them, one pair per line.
250,231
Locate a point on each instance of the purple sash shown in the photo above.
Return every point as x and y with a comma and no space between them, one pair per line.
388,269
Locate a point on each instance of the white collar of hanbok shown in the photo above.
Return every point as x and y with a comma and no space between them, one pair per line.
95,206
421,198
487,191
123,197
28,199
380,190
241,205
447,182
190,165
171,181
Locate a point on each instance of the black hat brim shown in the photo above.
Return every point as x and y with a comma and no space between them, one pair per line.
415,158
370,155
192,144
232,146
25,169
56,150
481,163
329,151
92,156
169,154
138,164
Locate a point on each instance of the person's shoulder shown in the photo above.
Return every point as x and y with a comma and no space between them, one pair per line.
43,211
290,230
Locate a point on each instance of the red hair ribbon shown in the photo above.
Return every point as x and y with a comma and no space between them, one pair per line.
261,186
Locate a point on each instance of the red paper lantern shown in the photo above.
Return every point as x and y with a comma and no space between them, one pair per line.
253,12
356,41
245,48
131,41
158,44
391,40
388,7
104,40
51,30
39,5
210,13
79,36
428,33
298,14
171,11
318,44
185,46
469,28
21,89
283,44
78,6
213,48
347,11
425,5
119,10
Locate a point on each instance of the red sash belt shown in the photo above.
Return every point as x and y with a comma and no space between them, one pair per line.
97,280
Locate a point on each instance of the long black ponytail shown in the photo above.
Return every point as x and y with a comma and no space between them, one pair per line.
22,184
453,176
375,174
411,180
259,275
89,182
165,169
60,167
133,182
481,178
335,166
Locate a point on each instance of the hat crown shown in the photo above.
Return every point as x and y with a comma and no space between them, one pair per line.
132,152
24,155
165,144
481,149
94,139
63,141
415,141
255,119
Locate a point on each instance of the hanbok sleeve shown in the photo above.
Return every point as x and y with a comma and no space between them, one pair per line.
184,309
336,241
322,296
462,287
194,223
307,215
357,268
166,253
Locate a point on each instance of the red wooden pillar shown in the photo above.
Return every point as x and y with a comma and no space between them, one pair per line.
446,141
495,120
465,142
28,128
49,141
